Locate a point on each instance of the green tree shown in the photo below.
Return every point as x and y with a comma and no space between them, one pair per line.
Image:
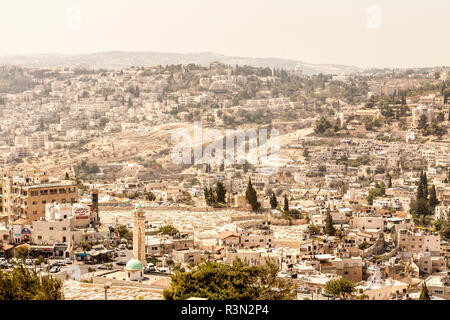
251,196
124,232
286,203
378,191
209,197
424,295
220,192
26,284
273,201
322,125
433,201
22,251
168,229
329,228
423,122
341,287
420,208
238,281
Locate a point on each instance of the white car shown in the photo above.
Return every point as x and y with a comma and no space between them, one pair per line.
68,261
60,263
163,270
55,269
150,267
123,254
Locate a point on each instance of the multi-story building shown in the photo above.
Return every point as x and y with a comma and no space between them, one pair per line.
349,268
27,197
417,242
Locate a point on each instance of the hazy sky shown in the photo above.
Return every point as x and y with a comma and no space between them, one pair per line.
408,32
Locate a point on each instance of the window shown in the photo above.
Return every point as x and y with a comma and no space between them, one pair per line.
34,203
34,212
62,190
53,191
50,228
44,201
34,193
39,237
44,192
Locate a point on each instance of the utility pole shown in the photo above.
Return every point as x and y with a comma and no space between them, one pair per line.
107,286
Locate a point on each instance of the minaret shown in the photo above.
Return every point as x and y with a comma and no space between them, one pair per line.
95,204
139,235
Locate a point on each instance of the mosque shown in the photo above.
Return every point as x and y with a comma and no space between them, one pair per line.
134,270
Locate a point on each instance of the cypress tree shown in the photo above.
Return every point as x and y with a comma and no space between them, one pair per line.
273,201
433,201
251,196
425,185
286,203
424,295
329,228
220,192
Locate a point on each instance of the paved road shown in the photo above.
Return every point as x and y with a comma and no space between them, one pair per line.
84,268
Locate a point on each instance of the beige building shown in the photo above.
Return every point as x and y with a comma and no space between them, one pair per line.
349,268
27,197
418,242
256,239
439,286
252,257
189,256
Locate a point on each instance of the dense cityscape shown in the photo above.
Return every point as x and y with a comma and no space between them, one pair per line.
353,205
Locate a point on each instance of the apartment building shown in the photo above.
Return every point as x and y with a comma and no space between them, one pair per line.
349,268
417,242
27,197
256,239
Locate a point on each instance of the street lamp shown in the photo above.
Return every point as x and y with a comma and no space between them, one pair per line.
107,286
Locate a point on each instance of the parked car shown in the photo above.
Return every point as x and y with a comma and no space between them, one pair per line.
150,267
55,269
68,261
123,254
327,295
163,270
4,266
121,263
303,290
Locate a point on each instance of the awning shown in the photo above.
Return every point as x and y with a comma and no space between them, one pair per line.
41,248
7,246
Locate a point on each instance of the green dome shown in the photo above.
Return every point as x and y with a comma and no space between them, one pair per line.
134,264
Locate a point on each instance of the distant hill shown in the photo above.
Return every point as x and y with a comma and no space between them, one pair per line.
121,59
